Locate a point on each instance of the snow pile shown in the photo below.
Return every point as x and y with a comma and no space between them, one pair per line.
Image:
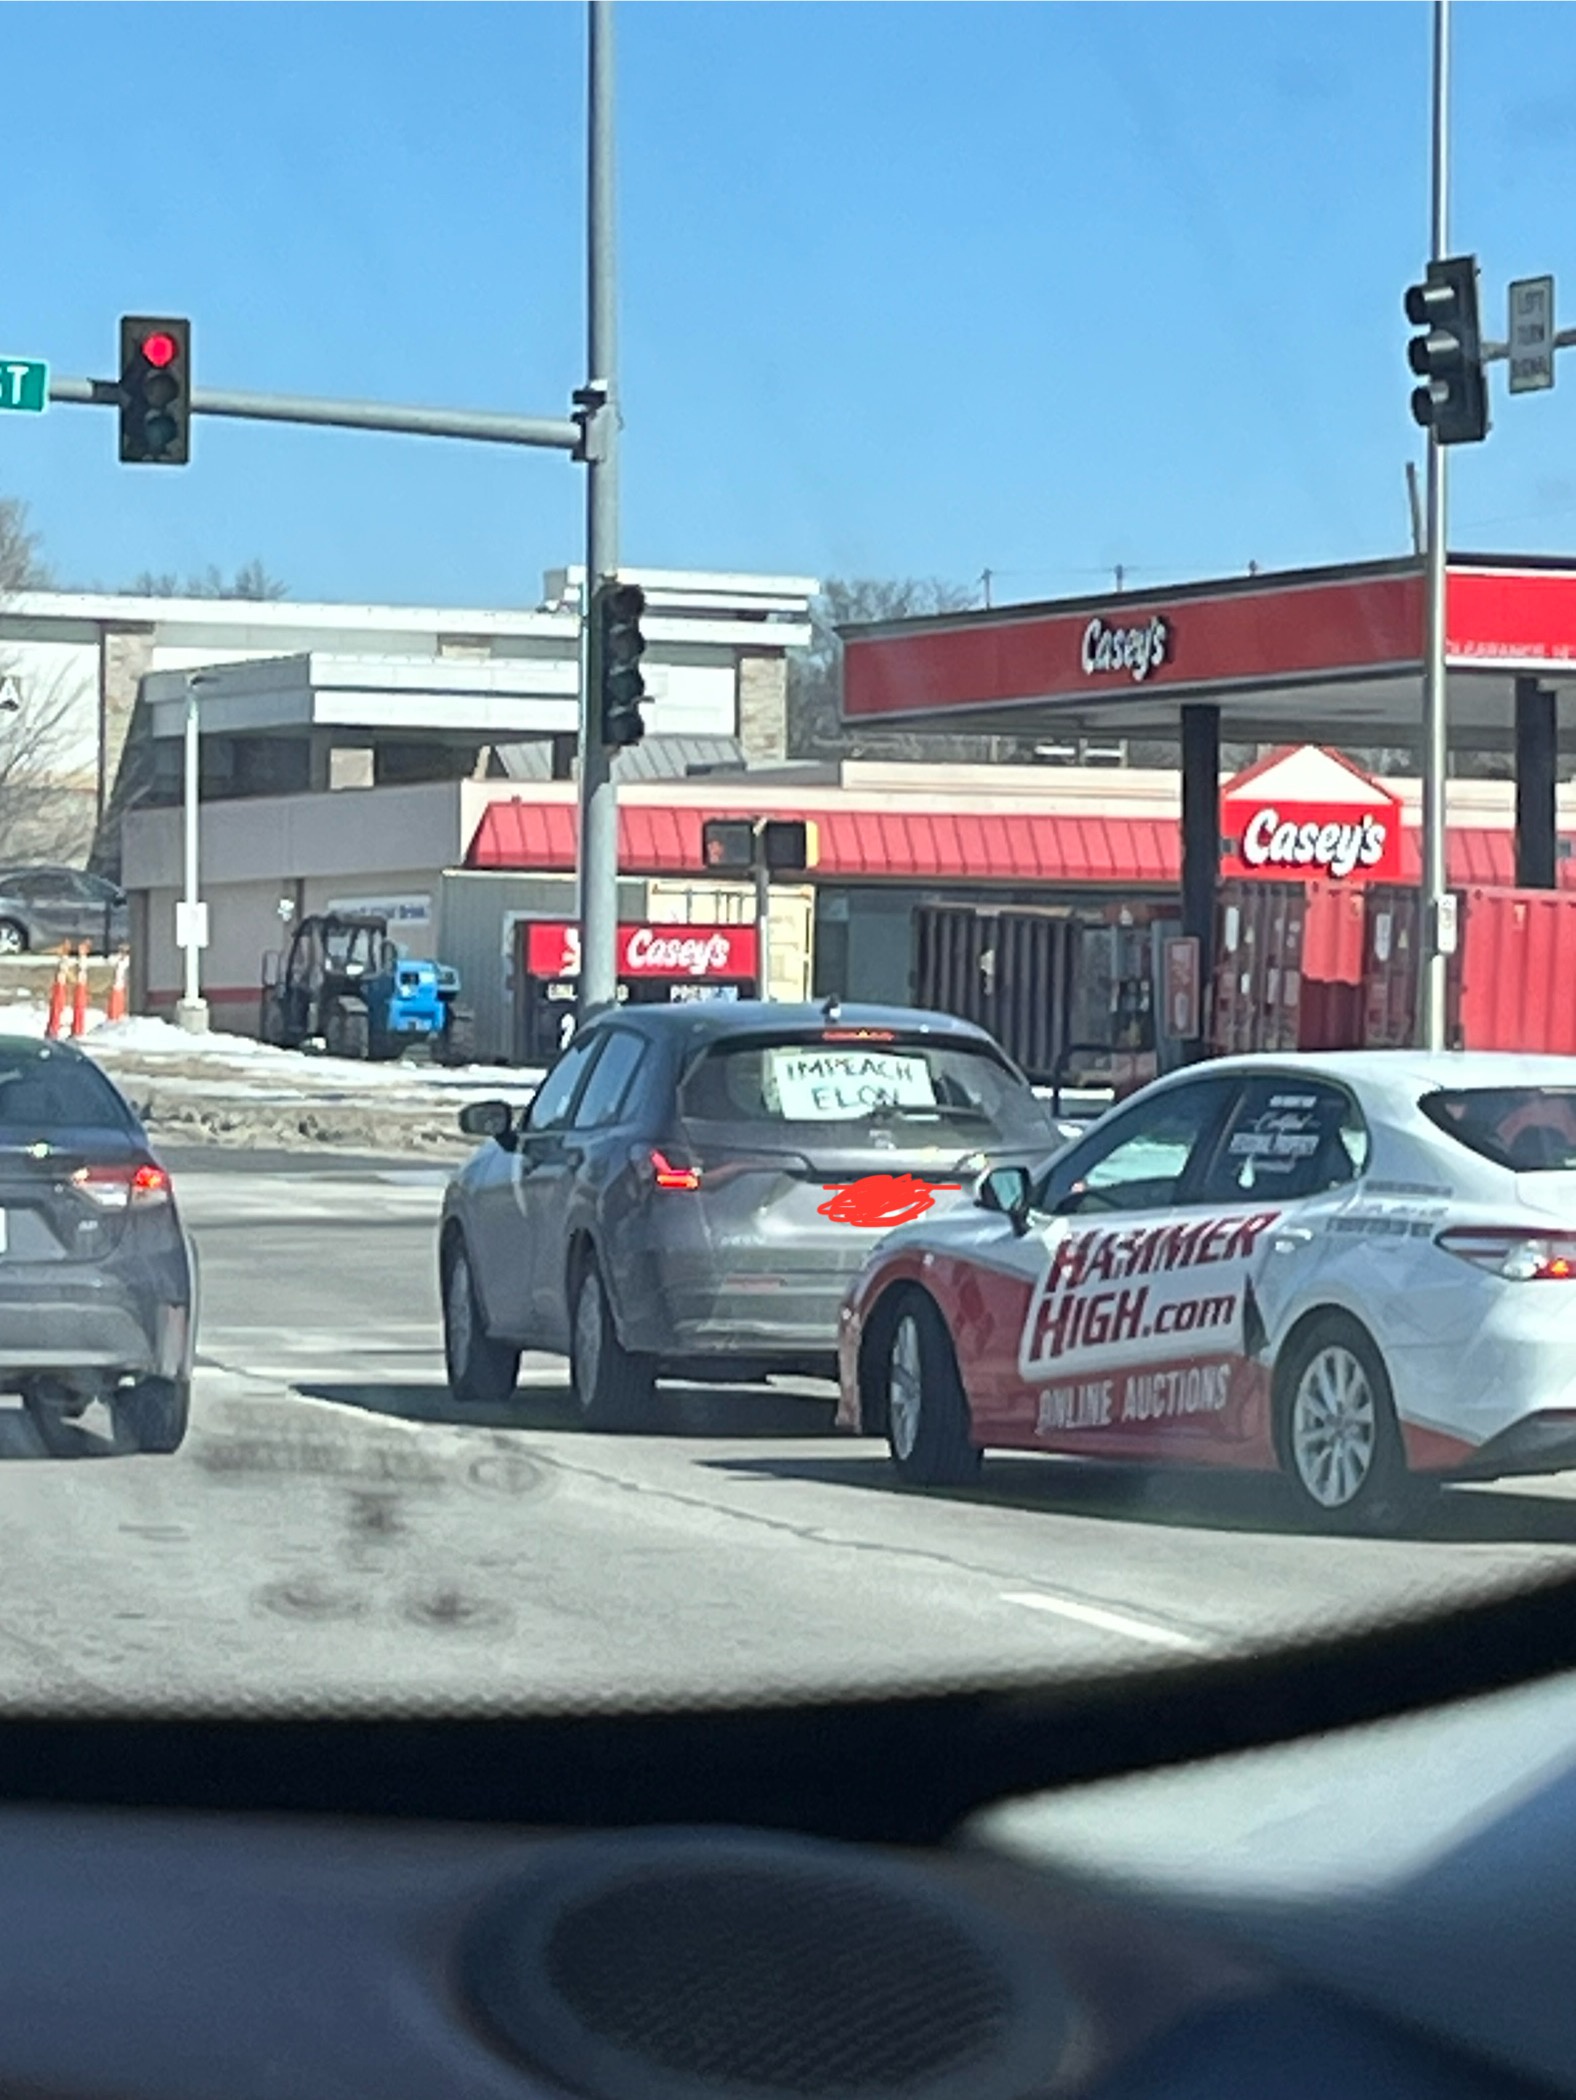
155,1044
31,1016
231,1089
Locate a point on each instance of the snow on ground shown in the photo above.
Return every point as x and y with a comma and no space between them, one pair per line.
217,1063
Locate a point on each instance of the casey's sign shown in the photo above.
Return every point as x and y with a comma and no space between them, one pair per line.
724,953
1310,813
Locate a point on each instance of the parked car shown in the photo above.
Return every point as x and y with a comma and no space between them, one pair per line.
97,1277
694,1185
1357,1268
42,907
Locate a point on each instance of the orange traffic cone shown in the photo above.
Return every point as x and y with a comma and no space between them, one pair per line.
79,1002
116,1008
57,995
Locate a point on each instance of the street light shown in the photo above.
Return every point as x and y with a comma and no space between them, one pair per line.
191,916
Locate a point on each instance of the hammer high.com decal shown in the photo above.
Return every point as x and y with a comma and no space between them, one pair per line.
1111,1295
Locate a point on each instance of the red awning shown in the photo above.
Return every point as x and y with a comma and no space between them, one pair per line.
928,846
922,845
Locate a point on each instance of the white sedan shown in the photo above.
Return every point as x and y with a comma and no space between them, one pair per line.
1356,1267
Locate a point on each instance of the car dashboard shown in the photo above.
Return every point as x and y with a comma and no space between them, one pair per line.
1382,1910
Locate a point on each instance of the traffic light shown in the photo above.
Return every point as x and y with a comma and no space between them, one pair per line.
1453,401
739,845
155,392
623,645
728,843
791,845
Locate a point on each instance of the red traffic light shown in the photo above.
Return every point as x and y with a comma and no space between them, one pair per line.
160,350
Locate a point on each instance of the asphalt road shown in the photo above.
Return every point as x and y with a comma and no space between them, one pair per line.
334,1529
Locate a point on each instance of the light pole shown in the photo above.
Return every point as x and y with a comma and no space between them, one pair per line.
1438,929
598,900
190,914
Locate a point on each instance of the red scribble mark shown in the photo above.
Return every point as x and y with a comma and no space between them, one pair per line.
881,1199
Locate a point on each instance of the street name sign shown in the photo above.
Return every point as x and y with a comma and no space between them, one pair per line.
24,384
1531,334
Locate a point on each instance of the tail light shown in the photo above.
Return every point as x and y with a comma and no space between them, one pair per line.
1511,1251
669,1175
123,1188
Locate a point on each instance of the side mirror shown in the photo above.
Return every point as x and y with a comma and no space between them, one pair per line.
1007,1190
487,1119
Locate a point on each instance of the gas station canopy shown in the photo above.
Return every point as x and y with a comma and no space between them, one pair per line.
1329,655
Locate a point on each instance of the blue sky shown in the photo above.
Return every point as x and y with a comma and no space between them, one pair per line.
907,289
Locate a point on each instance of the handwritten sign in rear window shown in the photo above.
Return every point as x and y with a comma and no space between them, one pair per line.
819,1085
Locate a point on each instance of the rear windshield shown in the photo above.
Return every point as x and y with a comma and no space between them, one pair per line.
904,1085
1530,1129
43,1092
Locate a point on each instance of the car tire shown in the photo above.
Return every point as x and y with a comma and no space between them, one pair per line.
927,1411
1336,1431
53,1424
345,1030
613,1388
482,1371
13,937
456,1045
153,1415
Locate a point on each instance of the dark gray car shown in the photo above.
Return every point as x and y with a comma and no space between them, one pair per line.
693,1187
97,1281
41,907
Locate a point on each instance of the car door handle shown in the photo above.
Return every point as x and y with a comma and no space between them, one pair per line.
1291,1237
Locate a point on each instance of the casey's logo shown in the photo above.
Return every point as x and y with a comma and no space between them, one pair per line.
1136,650
1342,848
696,953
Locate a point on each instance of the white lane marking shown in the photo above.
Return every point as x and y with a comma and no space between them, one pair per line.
1107,1621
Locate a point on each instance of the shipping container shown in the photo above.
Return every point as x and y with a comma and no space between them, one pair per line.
1008,971
1332,938
1392,943
1516,980
479,914
1258,967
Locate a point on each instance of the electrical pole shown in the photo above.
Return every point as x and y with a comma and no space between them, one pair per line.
598,899
1438,930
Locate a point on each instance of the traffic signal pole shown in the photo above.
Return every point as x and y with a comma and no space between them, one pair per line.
484,426
598,858
1437,902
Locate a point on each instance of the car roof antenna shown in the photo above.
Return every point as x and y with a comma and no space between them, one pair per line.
832,1007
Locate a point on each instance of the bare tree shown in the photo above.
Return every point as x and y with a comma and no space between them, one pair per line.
251,580
47,796
815,678
22,566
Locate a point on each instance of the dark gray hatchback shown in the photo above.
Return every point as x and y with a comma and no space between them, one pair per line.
693,1187
97,1282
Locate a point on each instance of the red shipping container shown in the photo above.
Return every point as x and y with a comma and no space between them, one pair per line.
1517,971
1511,981
1332,1014
1332,941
